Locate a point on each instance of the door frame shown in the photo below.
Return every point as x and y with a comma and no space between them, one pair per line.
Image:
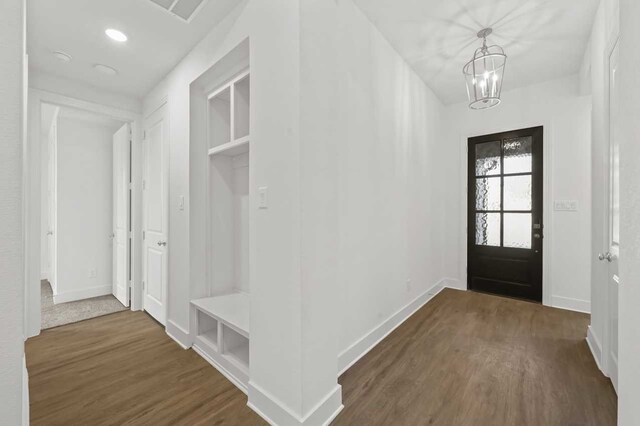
32,190
547,190
163,104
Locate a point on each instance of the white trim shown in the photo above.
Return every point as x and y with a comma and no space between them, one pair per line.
595,347
179,334
44,275
547,197
361,347
32,211
25,392
571,304
274,412
87,293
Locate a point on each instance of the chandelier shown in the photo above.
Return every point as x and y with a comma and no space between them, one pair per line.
484,74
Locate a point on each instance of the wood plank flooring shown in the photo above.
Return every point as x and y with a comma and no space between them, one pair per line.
463,359
473,359
122,369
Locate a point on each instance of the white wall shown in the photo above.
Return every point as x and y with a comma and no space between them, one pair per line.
558,106
78,90
85,198
11,207
389,161
629,350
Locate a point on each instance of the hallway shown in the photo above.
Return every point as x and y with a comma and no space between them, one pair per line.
463,359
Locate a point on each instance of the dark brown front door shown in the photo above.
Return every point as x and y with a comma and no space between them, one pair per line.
505,214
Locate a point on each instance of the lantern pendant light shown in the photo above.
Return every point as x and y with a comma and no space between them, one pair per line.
484,74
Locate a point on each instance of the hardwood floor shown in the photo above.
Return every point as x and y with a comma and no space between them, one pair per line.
463,359
473,359
122,369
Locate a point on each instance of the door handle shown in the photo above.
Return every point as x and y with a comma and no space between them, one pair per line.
162,243
605,256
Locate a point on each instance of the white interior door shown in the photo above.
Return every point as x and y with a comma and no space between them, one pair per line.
155,196
53,205
613,231
121,199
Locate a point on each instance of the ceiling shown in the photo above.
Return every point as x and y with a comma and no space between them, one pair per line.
543,39
157,40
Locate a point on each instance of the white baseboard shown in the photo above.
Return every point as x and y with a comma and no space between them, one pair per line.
596,348
571,304
357,350
85,293
454,283
25,392
276,413
178,334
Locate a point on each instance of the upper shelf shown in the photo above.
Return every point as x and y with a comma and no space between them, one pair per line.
231,149
231,309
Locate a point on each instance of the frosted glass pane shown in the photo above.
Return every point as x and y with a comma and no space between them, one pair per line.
488,229
488,158
517,230
488,193
517,192
517,155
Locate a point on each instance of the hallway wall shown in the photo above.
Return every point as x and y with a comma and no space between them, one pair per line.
85,199
559,107
629,367
388,165
13,381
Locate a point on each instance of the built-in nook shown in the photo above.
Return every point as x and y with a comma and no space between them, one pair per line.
220,290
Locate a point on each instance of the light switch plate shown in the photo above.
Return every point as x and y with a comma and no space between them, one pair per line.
263,200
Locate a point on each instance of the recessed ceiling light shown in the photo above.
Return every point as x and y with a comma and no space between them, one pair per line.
62,57
105,69
116,35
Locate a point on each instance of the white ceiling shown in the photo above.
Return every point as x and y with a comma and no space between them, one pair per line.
543,39
157,40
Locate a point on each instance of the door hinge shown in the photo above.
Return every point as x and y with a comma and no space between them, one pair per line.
144,235
142,285
144,135
130,185
144,184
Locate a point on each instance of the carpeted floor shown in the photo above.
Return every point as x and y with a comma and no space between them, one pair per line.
70,312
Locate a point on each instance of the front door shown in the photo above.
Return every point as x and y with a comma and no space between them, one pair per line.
155,192
505,230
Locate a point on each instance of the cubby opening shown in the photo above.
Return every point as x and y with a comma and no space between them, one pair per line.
207,329
219,107
235,347
242,101
229,219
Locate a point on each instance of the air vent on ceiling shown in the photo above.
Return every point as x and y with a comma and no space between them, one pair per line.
183,9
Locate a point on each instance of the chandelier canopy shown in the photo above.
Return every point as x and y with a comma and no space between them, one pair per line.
484,74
